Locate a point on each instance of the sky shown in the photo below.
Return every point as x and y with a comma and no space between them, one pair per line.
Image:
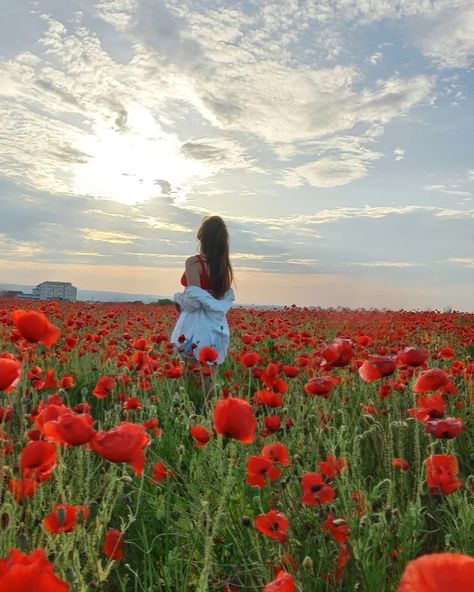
334,137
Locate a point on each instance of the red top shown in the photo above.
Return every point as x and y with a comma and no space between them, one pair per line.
203,277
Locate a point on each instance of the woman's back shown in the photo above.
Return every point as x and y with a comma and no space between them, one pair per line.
204,279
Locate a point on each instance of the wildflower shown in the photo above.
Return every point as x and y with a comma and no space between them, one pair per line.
23,572
259,467
35,327
201,435
273,525
233,418
438,572
441,474
123,443
113,544
10,369
315,491
64,517
282,583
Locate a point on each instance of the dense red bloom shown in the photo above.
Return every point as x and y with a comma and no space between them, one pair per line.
411,356
338,353
438,572
123,443
428,407
21,488
331,467
272,423
446,353
24,572
431,380
70,429
446,428
290,371
160,472
105,385
315,491
250,359
282,583
277,452
337,527
207,355
201,435
37,460
401,464
274,525
268,398
64,517
9,373
259,467
376,367
113,544
441,474
321,385
35,327
233,417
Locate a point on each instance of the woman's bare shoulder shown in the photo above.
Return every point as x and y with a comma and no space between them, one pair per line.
191,260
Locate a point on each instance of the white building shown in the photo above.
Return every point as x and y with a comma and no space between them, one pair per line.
55,290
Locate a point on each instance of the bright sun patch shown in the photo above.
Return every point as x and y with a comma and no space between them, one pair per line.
130,166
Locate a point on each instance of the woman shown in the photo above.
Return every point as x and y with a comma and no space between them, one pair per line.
208,295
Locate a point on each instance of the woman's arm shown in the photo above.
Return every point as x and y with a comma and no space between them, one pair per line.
192,272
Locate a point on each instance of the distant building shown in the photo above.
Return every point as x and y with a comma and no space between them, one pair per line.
11,294
55,290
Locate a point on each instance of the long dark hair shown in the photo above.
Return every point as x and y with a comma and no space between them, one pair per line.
214,240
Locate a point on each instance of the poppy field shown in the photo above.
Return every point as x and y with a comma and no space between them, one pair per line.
334,447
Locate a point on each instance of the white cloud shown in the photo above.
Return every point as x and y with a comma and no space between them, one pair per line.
464,261
445,189
395,264
446,34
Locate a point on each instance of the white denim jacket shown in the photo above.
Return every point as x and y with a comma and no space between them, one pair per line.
202,321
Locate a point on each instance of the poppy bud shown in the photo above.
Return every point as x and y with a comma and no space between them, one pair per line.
181,450
246,521
307,563
126,479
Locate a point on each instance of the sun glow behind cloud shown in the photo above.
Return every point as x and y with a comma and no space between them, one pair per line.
127,165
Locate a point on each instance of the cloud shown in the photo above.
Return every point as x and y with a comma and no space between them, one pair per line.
395,264
446,34
464,261
445,189
108,237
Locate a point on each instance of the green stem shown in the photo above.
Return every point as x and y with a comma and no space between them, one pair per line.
203,585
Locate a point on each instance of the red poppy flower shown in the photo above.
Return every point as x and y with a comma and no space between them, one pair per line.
64,517
411,356
207,355
259,467
272,423
124,443
70,429
315,491
290,371
337,527
339,353
431,380
274,525
37,460
105,385
321,385
35,327
21,488
201,435
282,583
250,359
446,428
113,544
446,353
441,474
401,464
277,452
331,467
438,572
160,472
233,418
376,367
268,398
10,370
24,572
428,407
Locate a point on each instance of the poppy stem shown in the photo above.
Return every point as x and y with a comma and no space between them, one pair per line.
203,585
